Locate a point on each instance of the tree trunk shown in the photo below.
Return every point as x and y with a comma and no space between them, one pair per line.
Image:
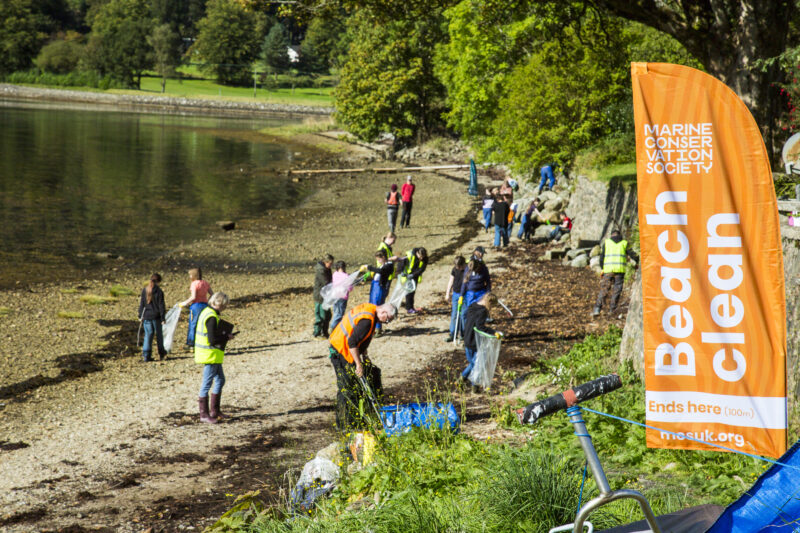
728,37
163,84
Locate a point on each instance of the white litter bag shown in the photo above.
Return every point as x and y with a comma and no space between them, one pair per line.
332,292
170,324
400,291
485,359
318,470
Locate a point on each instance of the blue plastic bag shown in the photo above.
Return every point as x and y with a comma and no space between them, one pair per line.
399,419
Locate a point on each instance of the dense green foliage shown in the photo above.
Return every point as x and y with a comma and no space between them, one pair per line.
274,51
119,44
387,83
60,56
166,52
228,41
324,44
20,36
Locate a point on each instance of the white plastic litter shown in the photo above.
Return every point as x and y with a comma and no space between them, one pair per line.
485,359
400,291
332,292
320,471
170,324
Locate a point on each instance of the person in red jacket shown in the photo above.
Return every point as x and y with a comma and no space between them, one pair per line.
407,194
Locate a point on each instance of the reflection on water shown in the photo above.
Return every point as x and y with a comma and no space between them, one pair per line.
76,182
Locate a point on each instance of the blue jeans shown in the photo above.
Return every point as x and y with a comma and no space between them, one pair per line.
522,226
547,174
338,312
455,316
470,361
209,373
150,327
194,313
377,296
487,217
500,232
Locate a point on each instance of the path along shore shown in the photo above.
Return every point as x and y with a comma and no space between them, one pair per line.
157,103
90,435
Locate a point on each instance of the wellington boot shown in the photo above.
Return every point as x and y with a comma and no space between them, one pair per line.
214,410
204,416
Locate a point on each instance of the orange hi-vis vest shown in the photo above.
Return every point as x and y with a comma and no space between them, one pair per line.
394,198
340,337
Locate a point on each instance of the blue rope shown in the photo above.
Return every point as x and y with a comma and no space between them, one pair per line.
583,481
760,458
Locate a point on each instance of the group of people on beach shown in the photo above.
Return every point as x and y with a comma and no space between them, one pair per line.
349,334
207,335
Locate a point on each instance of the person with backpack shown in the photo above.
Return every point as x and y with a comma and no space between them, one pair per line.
152,313
393,201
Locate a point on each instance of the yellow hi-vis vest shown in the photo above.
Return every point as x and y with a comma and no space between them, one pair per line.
615,258
412,261
204,353
385,247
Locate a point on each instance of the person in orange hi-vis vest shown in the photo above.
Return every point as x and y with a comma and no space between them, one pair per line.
349,342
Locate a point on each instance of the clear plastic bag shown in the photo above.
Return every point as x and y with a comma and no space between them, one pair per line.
400,291
170,325
332,292
485,359
318,470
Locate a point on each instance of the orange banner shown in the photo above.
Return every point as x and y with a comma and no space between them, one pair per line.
712,266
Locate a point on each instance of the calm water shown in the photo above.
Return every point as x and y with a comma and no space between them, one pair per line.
74,183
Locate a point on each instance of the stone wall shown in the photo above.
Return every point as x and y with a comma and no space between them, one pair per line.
597,207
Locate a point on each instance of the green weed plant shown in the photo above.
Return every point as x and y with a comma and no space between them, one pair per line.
118,290
94,299
70,314
4,311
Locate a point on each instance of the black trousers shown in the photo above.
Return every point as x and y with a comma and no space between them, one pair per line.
405,218
615,278
410,300
352,403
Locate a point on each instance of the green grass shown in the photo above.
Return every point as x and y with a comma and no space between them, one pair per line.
5,311
118,290
625,171
70,314
437,481
94,299
200,88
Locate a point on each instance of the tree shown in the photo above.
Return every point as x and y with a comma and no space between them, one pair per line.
228,41
729,37
387,83
20,38
166,52
119,40
275,49
62,55
323,44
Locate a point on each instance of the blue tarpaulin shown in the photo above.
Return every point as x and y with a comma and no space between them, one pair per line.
398,419
771,504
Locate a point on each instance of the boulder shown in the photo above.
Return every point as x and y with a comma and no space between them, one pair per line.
580,262
542,232
556,253
554,204
572,254
594,261
595,252
547,196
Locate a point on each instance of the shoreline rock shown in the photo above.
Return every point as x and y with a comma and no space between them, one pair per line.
157,103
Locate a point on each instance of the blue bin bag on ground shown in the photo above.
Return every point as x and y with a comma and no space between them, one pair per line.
399,419
771,504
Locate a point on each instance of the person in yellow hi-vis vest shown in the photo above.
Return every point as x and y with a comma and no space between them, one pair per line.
614,255
349,342
411,267
210,340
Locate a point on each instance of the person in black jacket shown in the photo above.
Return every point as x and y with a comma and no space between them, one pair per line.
152,313
477,314
382,275
501,210
411,267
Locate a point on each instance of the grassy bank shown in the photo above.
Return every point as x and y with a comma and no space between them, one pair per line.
431,480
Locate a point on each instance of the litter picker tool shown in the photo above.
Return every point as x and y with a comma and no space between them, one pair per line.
371,397
506,308
458,321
